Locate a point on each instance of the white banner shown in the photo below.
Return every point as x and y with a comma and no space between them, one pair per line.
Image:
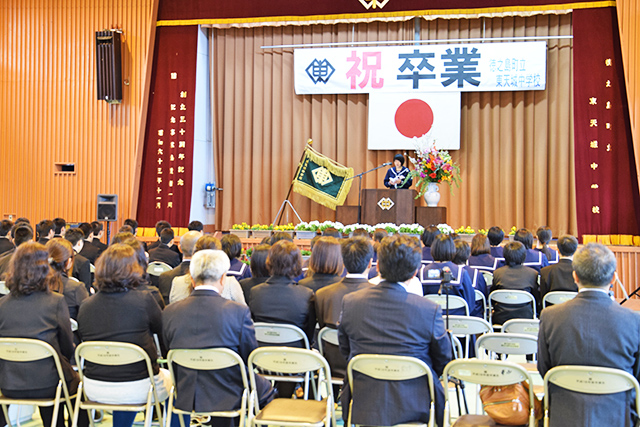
422,68
396,118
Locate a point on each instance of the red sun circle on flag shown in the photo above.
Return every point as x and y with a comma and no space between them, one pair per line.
414,117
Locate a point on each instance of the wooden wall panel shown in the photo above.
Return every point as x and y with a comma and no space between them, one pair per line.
49,112
629,23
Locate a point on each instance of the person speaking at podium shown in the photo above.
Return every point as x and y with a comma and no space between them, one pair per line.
396,175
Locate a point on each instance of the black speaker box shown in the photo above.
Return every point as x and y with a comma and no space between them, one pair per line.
107,207
109,66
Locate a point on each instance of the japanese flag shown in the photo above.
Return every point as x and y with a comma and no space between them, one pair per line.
396,118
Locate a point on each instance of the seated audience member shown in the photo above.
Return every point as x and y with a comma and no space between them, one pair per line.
514,276
378,235
45,231
118,313
181,287
428,235
206,320
5,240
163,251
19,234
477,279
559,277
481,257
97,235
305,262
59,227
592,330
81,265
61,261
496,236
325,264
535,259
121,236
31,311
125,229
279,235
187,246
141,256
361,232
259,271
133,224
385,319
357,253
413,285
232,246
160,225
195,226
279,299
443,251
332,232
89,251
544,237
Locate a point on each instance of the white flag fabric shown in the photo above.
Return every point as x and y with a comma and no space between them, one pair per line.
396,118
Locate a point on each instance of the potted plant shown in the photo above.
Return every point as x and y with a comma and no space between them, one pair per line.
287,228
307,230
411,229
241,230
260,231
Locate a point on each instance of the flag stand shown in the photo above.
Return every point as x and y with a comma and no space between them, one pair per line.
286,201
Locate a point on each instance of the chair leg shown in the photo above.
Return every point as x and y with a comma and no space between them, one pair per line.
5,410
56,404
148,413
76,409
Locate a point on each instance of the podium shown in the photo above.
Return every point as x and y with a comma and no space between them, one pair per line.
388,205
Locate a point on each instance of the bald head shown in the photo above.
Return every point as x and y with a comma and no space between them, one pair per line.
188,242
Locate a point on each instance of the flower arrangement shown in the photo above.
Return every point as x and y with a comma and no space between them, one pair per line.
445,228
308,226
465,230
305,252
262,227
513,231
284,227
391,228
432,165
330,224
411,228
243,226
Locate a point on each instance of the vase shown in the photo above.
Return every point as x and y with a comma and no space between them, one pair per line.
432,196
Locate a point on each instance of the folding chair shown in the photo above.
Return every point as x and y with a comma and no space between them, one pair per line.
291,412
590,380
113,353
488,277
388,367
156,268
505,344
3,288
468,326
30,350
456,346
454,302
557,297
330,335
522,326
510,297
210,359
480,297
485,372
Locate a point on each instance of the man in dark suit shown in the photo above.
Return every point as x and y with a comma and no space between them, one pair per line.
89,251
163,252
97,235
81,265
59,227
45,231
20,233
187,245
206,320
559,276
592,330
5,240
386,319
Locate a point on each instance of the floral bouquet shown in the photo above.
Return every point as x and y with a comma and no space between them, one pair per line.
432,165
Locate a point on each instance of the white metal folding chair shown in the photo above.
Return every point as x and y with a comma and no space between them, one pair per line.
455,302
485,372
589,380
291,412
488,277
557,297
329,335
210,359
505,344
156,268
30,350
510,297
388,367
480,297
522,326
3,288
112,353
456,346
468,326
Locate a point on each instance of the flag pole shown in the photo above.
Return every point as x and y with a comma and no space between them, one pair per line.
286,201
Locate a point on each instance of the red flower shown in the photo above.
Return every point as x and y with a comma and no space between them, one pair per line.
432,175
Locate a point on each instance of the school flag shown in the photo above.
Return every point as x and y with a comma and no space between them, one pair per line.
322,180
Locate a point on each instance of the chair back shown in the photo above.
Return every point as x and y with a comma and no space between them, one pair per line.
156,268
522,326
466,326
329,335
590,380
454,302
511,297
388,367
506,344
488,277
279,334
480,297
92,268
557,297
3,288
456,346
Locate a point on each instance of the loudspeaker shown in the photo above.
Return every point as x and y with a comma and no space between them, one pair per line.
109,66
107,207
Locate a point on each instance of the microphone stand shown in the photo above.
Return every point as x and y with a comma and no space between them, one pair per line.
359,176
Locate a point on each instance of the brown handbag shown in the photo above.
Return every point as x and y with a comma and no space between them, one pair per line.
509,405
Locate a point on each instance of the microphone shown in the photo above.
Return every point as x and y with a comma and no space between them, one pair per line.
386,164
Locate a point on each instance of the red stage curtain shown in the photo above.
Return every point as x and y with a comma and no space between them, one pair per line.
167,168
606,180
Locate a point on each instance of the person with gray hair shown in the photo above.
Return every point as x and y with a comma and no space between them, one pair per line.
206,320
591,330
187,245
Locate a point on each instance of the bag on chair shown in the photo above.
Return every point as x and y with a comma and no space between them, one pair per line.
509,405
